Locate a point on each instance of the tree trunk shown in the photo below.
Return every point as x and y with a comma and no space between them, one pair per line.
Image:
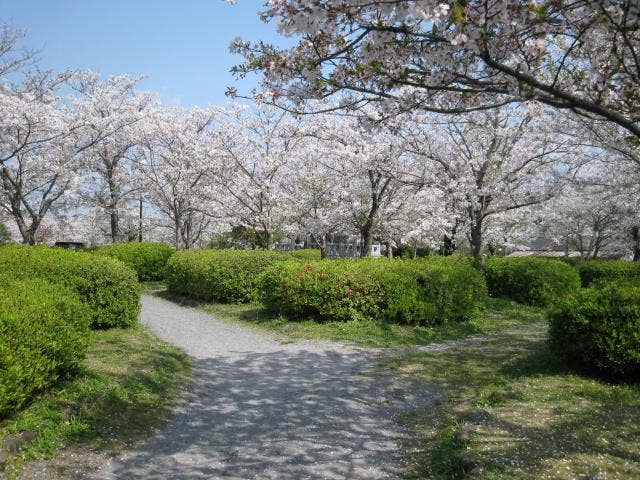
449,242
113,217
263,239
323,247
140,222
367,240
176,233
28,233
389,249
635,232
29,238
476,238
113,202
448,246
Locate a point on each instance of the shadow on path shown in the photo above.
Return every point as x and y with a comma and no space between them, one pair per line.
299,411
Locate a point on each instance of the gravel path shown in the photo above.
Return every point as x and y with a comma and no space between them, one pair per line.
260,409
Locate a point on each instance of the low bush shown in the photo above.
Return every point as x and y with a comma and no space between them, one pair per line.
108,287
306,254
145,258
598,330
606,271
573,261
532,281
228,276
420,292
44,331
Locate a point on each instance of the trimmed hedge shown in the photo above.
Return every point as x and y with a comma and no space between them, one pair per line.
306,254
606,271
420,292
147,259
228,276
532,281
108,287
44,332
598,330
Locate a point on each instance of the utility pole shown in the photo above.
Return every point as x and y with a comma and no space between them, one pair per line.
140,221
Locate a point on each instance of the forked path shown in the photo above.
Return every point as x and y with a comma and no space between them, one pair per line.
266,410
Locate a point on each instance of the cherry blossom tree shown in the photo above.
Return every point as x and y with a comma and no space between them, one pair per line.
368,168
45,136
487,164
34,181
29,111
254,148
176,158
452,56
12,57
589,220
111,106
609,183
37,151
313,195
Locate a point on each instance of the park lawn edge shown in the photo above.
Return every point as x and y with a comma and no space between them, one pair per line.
127,385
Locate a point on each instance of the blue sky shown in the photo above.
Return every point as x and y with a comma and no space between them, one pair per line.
181,47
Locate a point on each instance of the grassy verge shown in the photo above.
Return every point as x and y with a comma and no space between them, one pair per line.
511,412
369,333
124,388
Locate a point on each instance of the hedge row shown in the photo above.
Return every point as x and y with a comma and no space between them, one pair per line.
606,271
532,281
145,258
44,331
598,330
420,292
108,287
229,276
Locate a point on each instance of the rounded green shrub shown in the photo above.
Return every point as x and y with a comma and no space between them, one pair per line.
598,330
108,287
606,271
44,331
147,259
420,292
306,254
532,281
228,276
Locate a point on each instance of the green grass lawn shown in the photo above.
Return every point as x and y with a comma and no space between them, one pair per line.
124,388
512,411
